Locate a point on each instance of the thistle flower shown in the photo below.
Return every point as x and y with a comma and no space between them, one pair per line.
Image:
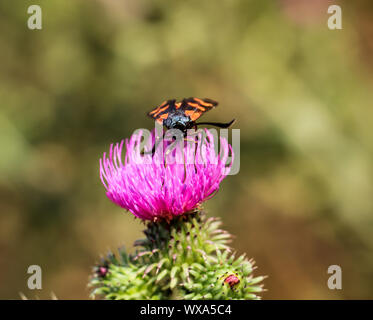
168,183
184,255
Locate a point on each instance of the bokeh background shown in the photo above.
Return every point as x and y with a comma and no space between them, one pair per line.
302,95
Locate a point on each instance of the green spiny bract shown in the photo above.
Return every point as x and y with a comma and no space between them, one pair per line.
228,279
186,258
119,279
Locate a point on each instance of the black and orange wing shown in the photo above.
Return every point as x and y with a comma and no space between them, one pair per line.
162,112
195,107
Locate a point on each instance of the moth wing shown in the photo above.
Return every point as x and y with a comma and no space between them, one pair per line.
161,112
195,107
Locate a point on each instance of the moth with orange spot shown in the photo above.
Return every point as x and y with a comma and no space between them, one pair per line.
183,114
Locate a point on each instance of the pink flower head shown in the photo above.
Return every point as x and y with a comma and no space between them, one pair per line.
164,184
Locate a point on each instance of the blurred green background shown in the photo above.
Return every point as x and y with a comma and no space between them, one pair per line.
302,95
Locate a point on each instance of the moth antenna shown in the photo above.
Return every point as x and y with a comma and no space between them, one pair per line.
218,124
